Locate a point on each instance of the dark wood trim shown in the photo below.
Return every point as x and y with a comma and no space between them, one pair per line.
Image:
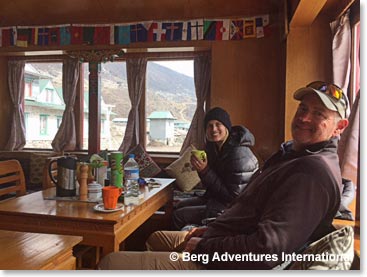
94,128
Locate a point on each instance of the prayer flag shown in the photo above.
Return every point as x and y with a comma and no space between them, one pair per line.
236,30
249,28
138,33
65,35
222,29
102,35
209,29
157,32
88,35
55,36
43,34
122,34
24,37
196,29
173,30
76,35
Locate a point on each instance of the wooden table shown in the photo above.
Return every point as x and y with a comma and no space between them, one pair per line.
21,251
32,213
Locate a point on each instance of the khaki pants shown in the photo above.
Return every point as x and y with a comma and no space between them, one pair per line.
163,254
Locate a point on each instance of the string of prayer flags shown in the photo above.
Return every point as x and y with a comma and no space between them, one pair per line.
124,34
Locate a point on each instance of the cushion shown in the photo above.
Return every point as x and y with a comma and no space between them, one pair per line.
148,168
338,248
37,164
186,177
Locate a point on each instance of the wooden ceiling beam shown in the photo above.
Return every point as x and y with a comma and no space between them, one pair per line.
306,12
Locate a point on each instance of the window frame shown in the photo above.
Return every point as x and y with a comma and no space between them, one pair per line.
79,101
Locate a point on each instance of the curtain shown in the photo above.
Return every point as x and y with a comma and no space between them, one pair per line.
342,43
65,139
17,138
349,144
202,77
136,75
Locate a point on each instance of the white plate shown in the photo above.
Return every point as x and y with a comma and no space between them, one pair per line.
100,208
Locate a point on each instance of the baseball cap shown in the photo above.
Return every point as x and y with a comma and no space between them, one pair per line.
331,96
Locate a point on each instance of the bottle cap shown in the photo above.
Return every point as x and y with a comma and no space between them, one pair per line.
132,156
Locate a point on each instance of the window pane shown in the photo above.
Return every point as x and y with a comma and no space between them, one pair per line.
115,104
170,104
44,104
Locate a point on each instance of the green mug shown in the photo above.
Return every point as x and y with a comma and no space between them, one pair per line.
200,154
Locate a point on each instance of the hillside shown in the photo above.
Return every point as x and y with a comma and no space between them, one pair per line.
166,89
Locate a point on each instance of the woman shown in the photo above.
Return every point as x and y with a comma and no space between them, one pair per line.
229,165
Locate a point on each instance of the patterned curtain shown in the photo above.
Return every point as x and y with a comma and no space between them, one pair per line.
342,43
136,75
17,138
348,148
202,77
65,139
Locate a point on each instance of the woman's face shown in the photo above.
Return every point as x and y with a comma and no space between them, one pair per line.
215,131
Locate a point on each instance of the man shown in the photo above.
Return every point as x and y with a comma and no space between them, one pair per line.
288,203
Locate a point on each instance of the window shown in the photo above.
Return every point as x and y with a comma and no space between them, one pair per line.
58,121
49,95
43,106
170,104
115,104
43,124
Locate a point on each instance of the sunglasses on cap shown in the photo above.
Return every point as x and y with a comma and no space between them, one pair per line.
330,89
335,93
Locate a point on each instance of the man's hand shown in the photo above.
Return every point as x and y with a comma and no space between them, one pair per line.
195,232
193,237
192,243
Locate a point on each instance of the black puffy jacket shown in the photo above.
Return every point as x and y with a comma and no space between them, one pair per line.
229,169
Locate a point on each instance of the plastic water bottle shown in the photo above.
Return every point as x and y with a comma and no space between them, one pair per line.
131,189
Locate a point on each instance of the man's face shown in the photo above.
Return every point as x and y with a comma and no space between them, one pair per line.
313,122
215,131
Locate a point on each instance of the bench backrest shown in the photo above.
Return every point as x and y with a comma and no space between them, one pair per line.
12,178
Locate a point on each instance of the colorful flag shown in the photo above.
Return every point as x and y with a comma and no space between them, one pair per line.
222,29
24,37
210,27
138,33
54,36
122,34
173,30
112,34
156,32
249,28
236,30
65,35
102,35
43,34
76,35
196,29
88,35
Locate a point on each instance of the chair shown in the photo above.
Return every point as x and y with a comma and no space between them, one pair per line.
12,181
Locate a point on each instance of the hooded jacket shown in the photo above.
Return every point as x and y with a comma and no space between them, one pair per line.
291,201
229,169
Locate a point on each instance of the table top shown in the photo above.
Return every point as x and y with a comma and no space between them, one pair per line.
35,203
22,250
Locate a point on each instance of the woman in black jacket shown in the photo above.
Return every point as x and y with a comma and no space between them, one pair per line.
229,165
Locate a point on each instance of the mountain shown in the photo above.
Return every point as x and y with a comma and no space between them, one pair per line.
167,90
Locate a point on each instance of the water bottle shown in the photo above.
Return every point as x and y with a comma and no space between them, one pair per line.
131,190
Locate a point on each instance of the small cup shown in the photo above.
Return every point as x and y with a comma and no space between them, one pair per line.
200,154
110,196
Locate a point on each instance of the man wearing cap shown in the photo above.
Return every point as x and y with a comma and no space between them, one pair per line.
228,167
288,203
